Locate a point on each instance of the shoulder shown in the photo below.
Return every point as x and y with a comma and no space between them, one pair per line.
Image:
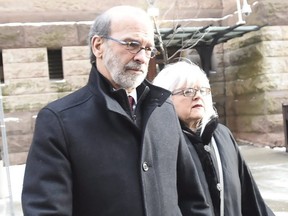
222,132
71,100
223,129
159,95
157,89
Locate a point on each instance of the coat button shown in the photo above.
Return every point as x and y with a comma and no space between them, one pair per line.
219,187
207,148
145,166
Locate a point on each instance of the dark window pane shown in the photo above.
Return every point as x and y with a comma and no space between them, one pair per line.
55,64
1,68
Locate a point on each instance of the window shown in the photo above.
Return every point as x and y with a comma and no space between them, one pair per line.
55,64
1,68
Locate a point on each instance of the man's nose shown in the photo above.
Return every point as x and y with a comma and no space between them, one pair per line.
141,56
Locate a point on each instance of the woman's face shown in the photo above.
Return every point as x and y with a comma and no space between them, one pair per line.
191,109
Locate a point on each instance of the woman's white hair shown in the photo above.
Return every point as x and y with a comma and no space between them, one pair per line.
184,75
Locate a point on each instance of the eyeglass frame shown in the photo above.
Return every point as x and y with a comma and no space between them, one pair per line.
153,51
204,91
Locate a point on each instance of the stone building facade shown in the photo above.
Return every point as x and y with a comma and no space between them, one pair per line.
249,85
254,84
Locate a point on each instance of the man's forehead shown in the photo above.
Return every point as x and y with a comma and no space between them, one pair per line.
132,28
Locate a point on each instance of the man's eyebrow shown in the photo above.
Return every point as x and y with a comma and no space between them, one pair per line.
148,44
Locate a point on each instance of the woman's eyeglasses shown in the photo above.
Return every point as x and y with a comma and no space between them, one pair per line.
191,92
135,47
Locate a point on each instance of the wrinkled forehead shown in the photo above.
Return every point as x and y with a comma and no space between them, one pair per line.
131,20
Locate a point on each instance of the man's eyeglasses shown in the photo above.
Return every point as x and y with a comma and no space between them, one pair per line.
191,92
135,47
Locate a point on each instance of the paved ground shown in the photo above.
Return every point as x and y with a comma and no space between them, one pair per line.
269,167
270,170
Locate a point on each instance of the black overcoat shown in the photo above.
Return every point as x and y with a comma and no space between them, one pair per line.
89,158
241,194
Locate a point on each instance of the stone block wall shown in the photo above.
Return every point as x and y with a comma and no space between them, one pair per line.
27,89
255,85
51,34
249,86
217,82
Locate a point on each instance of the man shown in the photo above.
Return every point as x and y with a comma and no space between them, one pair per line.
93,154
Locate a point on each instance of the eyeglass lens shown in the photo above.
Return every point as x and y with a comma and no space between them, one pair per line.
134,47
191,92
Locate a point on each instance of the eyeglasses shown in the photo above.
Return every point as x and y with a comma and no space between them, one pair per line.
191,92
135,47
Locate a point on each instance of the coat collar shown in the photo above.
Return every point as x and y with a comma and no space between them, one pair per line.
207,134
101,87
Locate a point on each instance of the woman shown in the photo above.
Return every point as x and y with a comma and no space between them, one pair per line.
226,178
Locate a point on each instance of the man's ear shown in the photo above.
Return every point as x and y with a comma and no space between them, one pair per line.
97,46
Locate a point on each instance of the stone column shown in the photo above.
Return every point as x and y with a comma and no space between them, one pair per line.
256,71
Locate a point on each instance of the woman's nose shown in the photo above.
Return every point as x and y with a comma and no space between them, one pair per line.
197,95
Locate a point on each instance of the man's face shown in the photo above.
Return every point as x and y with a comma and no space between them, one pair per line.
126,69
125,72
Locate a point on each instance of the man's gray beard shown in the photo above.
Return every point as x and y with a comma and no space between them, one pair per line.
120,76
127,83
127,80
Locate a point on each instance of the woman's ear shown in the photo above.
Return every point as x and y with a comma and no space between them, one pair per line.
97,46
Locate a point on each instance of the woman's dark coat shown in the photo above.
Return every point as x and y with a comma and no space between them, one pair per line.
241,194
89,158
